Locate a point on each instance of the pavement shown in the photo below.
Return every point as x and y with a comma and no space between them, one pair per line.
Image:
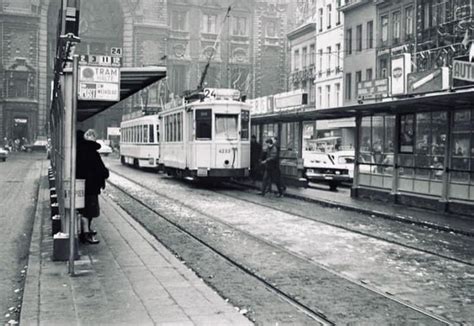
341,198
130,278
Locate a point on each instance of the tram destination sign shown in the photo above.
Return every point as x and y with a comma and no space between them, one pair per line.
99,83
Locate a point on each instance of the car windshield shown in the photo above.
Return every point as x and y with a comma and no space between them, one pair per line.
345,159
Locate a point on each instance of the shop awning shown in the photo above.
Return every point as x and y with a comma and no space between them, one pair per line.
458,99
132,80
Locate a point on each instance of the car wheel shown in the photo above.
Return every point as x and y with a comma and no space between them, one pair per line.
333,186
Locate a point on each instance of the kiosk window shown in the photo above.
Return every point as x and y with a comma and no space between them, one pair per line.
204,124
407,139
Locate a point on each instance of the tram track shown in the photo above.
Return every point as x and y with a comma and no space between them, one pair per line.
258,202
311,312
339,226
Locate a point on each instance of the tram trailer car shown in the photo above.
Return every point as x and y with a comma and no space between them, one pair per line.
206,138
139,142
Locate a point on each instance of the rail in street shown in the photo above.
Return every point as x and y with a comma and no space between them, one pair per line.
155,191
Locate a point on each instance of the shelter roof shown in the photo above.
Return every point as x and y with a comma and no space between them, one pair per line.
456,99
132,80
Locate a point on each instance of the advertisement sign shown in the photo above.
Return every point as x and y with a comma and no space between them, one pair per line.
372,89
463,70
428,81
401,67
97,83
288,100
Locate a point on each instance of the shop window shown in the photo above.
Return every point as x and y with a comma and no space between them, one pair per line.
289,139
407,140
460,147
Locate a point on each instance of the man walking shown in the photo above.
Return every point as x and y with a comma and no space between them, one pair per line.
271,173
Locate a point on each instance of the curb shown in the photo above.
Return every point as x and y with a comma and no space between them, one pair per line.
399,218
31,294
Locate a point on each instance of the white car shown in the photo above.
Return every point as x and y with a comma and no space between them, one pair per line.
104,149
3,154
332,168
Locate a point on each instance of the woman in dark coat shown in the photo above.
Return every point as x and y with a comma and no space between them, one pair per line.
90,167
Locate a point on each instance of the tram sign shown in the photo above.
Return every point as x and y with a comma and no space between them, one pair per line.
100,60
98,83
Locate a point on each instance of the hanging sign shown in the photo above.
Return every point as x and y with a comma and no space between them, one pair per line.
401,67
428,81
463,70
98,83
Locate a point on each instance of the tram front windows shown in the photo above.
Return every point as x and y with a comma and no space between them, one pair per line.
204,124
227,126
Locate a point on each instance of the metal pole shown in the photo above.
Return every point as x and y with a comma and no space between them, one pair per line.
72,220
355,181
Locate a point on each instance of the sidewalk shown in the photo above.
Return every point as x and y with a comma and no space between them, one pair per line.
127,279
341,199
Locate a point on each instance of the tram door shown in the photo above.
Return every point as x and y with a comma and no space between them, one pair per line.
20,128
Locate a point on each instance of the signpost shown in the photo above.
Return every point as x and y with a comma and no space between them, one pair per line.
97,83
428,81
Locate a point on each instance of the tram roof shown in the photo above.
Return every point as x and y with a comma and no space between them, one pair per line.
132,80
455,99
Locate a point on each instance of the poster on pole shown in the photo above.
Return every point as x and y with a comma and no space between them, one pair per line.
99,83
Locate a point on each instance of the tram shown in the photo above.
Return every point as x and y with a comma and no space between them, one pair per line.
206,136
139,141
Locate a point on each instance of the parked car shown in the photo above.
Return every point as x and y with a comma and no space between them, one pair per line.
104,149
336,168
332,168
3,154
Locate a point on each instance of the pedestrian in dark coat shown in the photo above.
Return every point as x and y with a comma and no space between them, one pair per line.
272,169
89,166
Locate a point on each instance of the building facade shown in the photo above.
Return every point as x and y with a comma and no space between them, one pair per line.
329,54
302,47
23,90
250,55
360,24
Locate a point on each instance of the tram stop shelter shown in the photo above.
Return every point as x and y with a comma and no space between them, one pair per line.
66,110
416,150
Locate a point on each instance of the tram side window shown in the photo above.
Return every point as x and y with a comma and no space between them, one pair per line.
145,133
244,125
167,129
204,124
151,134
179,118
